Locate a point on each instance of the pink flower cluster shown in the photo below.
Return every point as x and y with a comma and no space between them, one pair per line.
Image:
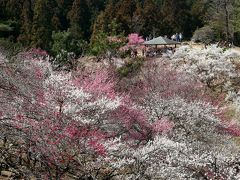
134,42
135,39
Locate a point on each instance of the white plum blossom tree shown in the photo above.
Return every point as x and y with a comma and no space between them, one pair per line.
197,141
213,66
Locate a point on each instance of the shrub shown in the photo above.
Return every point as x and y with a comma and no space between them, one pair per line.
105,46
64,41
205,35
65,48
131,66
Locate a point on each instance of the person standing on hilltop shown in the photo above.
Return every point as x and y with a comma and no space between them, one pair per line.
180,37
177,37
173,37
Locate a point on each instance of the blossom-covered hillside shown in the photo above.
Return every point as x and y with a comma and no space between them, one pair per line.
171,120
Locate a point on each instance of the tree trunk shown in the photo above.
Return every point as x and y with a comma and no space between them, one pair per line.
228,38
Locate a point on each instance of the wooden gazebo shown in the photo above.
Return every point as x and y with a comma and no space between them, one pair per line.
161,41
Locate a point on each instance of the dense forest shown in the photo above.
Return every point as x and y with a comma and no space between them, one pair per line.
38,22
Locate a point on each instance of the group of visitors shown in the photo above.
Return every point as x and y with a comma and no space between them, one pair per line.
177,37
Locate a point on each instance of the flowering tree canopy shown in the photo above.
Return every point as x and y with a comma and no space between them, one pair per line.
134,41
213,66
77,124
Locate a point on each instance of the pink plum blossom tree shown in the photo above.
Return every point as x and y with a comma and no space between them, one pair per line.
134,42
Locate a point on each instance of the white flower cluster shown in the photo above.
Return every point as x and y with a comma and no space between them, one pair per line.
2,59
192,119
193,150
163,158
60,88
214,66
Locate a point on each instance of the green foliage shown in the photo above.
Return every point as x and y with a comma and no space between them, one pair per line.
106,39
65,41
125,54
65,48
61,41
103,44
131,66
99,44
9,29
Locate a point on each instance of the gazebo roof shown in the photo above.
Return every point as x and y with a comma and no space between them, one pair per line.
160,41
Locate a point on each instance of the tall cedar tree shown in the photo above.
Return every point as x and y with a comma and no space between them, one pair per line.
125,10
220,13
80,20
103,21
137,19
12,9
42,28
237,16
176,14
198,13
63,7
26,22
151,18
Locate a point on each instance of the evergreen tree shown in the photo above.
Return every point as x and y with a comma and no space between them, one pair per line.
137,19
26,21
151,19
125,10
13,9
42,28
236,18
176,17
220,17
102,23
199,13
55,18
2,10
63,8
80,19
